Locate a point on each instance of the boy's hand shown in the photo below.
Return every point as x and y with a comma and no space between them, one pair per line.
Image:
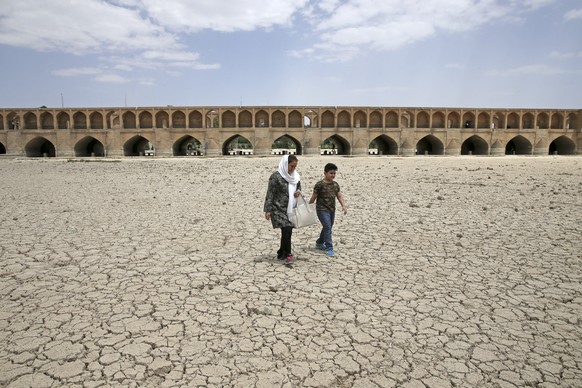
345,209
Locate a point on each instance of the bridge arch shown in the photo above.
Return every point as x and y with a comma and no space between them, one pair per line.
562,146
96,120
13,119
475,145
89,146
385,145
344,119
557,121
136,146
468,120
79,120
40,146
129,120
47,121
262,119
338,144
360,120
572,121
483,120
30,121
454,120
376,120
145,120
519,145
286,144
543,121
237,145
278,119
438,120
430,145
296,119
228,119
187,146
498,120
245,119
423,120
407,119
63,120
527,121
162,119
392,119
195,119
327,119
178,119
2,149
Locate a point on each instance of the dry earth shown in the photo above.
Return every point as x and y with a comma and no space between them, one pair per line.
450,272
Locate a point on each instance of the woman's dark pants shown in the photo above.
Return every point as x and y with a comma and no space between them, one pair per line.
285,249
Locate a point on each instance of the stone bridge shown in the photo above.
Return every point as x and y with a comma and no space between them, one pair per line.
213,131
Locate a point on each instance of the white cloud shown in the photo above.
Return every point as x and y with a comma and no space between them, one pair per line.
567,55
96,74
534,69
111,78
391,24
78,27
225,16
455,66
573,14
116,29
74,72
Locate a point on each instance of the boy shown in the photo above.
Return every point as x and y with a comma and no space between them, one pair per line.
325,192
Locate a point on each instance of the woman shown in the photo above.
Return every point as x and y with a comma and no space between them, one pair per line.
284,187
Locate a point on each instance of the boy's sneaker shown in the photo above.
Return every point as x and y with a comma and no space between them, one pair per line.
330,252
319,246
290,259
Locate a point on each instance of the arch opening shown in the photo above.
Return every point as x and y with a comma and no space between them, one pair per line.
335,145
237,145
475,145
40,147
2,149
286,145
89,146
137,146
562,146
519,145
188,146
383,145
430,145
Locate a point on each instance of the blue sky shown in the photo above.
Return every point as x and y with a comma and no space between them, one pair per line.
396,53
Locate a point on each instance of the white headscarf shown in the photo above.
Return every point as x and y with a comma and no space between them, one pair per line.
292,179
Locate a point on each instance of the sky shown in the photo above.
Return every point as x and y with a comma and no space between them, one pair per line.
378,53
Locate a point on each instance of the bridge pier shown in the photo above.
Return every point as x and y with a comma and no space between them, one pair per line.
311,151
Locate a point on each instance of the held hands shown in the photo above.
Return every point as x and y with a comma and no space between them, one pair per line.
297,194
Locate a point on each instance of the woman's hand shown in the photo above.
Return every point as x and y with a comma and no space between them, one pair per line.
297,194
268,216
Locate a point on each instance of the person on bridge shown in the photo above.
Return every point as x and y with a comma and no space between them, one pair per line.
284,187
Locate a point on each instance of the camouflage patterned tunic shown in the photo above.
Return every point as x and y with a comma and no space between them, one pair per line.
277,200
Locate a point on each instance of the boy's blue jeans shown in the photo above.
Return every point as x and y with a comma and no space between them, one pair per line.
326,219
